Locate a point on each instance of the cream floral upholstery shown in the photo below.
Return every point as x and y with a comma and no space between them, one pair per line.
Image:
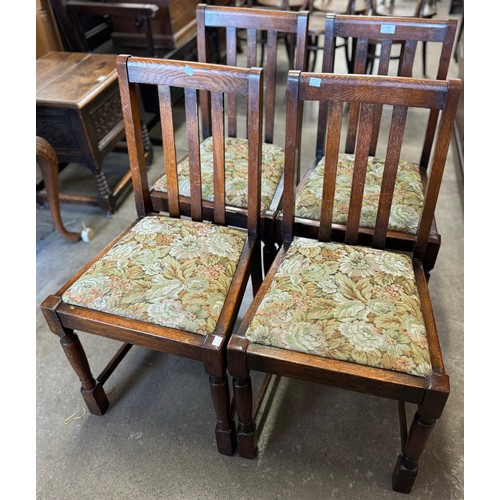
236,155
348,303
407,202
165,271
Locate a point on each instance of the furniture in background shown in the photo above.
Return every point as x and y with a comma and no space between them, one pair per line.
250,22
424,9
78,111
167,283
318,10
409,189
46,159
47,36
161,28
350,315
148,28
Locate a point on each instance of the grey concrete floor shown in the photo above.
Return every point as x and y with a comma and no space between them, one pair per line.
157,442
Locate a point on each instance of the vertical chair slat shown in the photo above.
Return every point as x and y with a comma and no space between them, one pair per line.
359,172
383,69
408,48
218,153
327,67
396,134
202,46
193,145
359,67
132,121
169,157
360,55
251,47
232,102
385,56
330,177
270,97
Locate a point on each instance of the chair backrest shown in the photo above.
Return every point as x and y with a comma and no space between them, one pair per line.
364,31
219,82
337,91
255,21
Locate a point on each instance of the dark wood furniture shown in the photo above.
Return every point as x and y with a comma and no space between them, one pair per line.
356,317
167,283
361,31
172,27
148,27
46,159
78,111
163,28
271,23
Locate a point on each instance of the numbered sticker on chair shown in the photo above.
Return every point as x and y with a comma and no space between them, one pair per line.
217,341
315,82
389,29
189,70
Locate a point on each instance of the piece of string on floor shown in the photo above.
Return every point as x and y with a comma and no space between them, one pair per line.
75,416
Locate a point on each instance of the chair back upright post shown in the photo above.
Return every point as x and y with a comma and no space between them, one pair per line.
369,92
216,81
407,32
253,20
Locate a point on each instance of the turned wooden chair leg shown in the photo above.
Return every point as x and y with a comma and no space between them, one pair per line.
225,429
406,469
92,392
247,435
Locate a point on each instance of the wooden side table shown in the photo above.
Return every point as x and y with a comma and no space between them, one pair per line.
78,111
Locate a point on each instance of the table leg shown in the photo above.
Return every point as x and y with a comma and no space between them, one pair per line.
47,161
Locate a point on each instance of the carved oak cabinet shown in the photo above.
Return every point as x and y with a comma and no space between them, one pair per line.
78,111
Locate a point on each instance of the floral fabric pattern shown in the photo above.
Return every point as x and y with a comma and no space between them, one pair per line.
236,167
169,272
407,201
348,303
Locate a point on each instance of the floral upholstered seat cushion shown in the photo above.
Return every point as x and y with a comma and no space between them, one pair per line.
348,303
407,201
236,166
169,272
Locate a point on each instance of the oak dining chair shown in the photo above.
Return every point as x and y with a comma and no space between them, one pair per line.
230,20
411,176
171,283
352,314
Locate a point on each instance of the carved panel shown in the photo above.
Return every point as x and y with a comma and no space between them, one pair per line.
106,115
